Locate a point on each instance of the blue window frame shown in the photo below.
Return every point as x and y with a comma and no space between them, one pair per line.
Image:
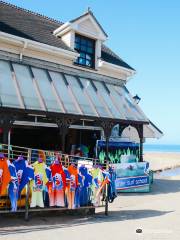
86,48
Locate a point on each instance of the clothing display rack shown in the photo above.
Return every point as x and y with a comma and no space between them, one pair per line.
36,158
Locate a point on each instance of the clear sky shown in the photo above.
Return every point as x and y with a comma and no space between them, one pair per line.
146,34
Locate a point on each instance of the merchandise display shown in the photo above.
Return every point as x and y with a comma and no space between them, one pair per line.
38,183
59,184
5,176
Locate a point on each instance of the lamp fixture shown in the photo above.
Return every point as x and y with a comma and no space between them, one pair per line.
137,99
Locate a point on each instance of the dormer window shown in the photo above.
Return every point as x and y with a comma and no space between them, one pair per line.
86,48
85,35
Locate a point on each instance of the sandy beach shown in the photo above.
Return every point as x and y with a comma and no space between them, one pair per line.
161,160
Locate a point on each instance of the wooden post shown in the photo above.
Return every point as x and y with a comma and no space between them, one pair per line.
107,167
141,137
5,134
6,122
141,150
63,125
107,127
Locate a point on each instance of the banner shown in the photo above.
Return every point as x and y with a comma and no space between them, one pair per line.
132,177
131,182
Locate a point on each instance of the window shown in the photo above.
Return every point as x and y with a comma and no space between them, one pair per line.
26,86
8,94
46,90
86,48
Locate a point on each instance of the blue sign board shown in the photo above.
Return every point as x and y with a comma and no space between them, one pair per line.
131,182
101,143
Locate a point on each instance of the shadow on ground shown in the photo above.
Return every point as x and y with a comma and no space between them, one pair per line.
10,226
18,225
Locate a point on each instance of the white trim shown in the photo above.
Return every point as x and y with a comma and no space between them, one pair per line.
112,67
38,92
68,26
71,93
58,99
101,34
20,98
62,29
19,41
54,125
91,102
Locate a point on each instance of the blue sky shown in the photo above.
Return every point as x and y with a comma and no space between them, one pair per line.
144,33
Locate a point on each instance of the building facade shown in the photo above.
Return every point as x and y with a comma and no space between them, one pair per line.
59,78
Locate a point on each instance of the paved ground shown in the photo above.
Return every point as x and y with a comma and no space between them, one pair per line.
157,214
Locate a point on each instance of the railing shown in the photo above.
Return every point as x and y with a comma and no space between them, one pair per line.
12,152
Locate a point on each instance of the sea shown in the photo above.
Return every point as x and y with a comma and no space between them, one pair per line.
161,148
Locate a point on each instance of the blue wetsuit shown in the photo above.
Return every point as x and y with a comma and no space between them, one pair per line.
24,173
85,189
13,187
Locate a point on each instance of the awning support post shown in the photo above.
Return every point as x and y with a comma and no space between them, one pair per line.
107,127
141,137
6,122
63,125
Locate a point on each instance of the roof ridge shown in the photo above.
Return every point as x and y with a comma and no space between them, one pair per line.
31,12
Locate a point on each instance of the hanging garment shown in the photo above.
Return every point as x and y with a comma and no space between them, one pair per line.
38,184
13,187
86,184
96,184
71,188
25,173
78,191
112,192
46,193
67,174
5,176
57,188
106,181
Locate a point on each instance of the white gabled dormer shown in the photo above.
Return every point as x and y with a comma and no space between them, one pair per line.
85,35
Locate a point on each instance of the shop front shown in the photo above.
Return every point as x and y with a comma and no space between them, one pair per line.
63,94
62,113
49,104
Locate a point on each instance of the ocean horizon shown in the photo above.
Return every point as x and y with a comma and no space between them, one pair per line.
162,148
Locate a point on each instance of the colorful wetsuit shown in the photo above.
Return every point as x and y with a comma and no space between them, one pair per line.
24,172
38,184
71,187
78,191
45,192
86,184
13,187
67,174
96,184
5,176
57,188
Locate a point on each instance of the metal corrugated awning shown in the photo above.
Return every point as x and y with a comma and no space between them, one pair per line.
30,88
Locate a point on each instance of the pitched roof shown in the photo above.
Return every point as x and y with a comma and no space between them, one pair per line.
33,26
109,56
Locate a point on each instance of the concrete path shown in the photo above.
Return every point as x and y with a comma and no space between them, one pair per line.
157,214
